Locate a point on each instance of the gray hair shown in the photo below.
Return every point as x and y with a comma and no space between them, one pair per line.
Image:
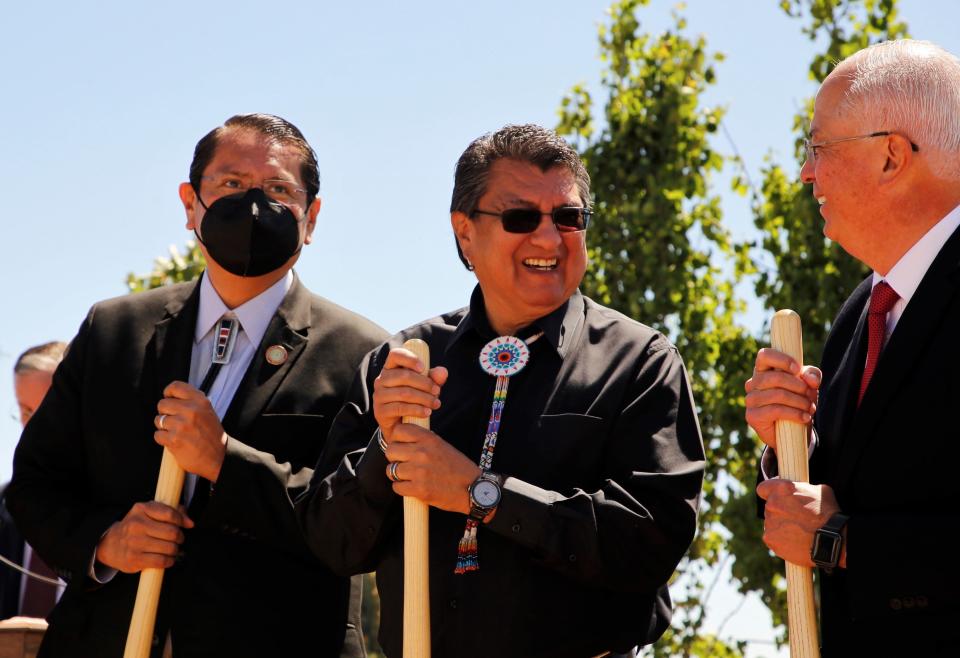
41,358
913,87
525,143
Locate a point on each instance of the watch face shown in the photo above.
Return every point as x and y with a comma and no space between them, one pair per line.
486,493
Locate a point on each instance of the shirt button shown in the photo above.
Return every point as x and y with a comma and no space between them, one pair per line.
896,604
516,527
453,604
572,557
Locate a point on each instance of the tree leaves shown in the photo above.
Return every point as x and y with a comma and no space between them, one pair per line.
659,249
175,269
810,274
661,253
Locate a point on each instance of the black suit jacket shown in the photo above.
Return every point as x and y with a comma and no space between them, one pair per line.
88,455
11,547
890,463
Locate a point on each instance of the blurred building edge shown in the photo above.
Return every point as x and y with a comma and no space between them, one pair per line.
21,594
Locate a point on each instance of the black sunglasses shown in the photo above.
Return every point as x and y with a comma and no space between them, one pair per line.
526,220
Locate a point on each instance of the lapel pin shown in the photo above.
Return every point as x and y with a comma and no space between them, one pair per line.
276,355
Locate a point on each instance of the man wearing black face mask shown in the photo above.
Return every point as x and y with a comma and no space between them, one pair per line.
239,375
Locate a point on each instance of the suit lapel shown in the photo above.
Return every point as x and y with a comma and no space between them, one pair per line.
287,328
846,382
910,339
173,339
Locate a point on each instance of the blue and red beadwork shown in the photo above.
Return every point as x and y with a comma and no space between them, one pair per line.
502,358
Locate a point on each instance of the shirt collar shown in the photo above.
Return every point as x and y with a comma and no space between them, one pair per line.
254,314
907,273
558,327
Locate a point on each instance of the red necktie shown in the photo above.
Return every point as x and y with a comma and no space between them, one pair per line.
38,597
882,299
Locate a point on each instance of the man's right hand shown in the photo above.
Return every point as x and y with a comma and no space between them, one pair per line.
148,537
400,390
780,389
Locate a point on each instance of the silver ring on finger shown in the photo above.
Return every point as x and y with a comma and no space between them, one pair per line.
392,472
163,417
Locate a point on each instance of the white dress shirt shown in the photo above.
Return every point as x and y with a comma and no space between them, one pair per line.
907,273
254,317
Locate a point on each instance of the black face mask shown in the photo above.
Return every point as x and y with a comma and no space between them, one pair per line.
249,234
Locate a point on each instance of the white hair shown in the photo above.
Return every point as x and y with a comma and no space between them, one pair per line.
911,87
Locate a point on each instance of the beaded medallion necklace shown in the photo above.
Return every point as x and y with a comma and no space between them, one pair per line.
502,357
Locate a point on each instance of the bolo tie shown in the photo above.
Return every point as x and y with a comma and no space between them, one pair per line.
503,357
225,337
224,340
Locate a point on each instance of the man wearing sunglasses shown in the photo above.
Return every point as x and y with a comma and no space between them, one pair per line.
883,160
560,504
239,375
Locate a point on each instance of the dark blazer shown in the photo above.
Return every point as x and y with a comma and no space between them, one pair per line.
11,547
88,455
890,463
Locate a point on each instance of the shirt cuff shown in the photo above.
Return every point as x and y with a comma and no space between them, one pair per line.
523,513
100,573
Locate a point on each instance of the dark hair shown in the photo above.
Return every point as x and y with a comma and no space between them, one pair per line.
41,358
527,143
270,126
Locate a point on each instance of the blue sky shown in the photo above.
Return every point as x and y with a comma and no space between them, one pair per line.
103,103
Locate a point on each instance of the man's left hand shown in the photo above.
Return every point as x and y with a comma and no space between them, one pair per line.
430,469
793,513
191,430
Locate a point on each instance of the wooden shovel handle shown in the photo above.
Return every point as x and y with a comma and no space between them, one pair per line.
416,550
140,634
787,337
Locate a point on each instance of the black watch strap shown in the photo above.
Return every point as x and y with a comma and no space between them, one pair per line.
828,543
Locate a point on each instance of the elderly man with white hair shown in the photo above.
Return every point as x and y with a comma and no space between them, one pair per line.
883,159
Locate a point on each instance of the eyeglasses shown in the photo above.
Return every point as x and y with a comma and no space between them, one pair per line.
526,220
281,191
810,148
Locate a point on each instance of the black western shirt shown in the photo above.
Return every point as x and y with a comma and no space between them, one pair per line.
601,449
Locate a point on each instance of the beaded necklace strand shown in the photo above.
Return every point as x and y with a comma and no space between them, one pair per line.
502,357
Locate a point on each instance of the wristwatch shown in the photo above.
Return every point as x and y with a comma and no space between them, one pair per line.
828,543
485,493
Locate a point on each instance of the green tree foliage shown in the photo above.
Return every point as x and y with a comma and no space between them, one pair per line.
804,271
809,273
179,267
370,616
659,253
